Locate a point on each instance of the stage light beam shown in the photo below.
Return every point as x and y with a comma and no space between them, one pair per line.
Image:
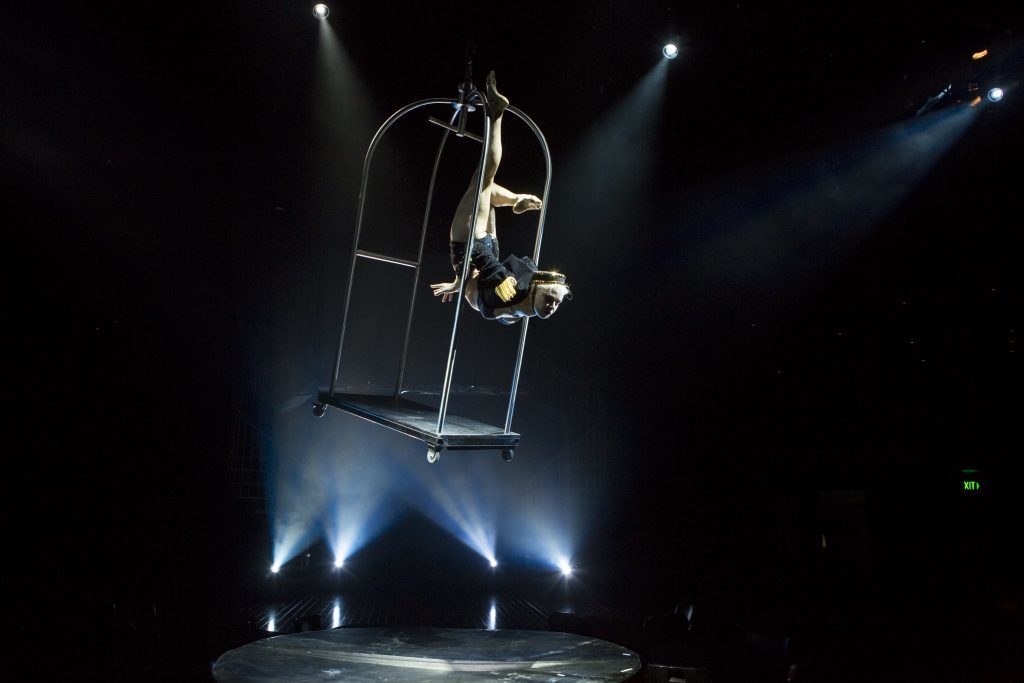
275,568
494,563
670,51
320,11
461,505
995,94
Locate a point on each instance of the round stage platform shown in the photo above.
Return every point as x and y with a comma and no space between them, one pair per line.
427,654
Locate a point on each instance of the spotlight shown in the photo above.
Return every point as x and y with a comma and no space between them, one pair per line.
321,11
494,563
339,562
995,94
670,51
274,568
566,568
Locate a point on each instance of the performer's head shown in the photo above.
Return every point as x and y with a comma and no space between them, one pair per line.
549,291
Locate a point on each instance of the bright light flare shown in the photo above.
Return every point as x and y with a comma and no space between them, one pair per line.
344,539
356,509
462,505
275,568
995,94
670,51
293,533
565,567
336,614
320,11
494,563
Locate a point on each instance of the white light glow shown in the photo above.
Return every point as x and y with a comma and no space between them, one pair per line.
492,619
292,535
339,562
321,11
275,568
670,51
462,507
336,614
995,94
565,567
494,563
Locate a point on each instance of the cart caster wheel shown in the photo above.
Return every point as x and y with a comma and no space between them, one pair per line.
433,455
319,409
507,454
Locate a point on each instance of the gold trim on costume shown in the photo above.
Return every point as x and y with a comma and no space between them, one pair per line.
506,290
548,277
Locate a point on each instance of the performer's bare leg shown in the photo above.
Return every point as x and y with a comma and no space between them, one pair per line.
520,203
497,103
491,194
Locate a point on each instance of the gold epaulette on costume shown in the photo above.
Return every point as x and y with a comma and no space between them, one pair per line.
506,290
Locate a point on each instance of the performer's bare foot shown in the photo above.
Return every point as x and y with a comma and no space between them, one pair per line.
495,100
526,202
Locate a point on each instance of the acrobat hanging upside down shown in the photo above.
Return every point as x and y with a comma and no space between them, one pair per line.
500,290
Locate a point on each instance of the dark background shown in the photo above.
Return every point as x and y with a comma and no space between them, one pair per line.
178,218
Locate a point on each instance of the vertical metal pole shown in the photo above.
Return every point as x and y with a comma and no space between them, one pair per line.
536,258
446,388
359,220
419,258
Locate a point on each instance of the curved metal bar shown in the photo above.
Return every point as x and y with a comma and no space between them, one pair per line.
359,218
419,257
449,369
547,181
536,259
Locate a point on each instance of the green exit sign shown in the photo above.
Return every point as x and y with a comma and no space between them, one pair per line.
974,482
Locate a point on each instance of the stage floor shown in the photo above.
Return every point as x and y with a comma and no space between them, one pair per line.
428,654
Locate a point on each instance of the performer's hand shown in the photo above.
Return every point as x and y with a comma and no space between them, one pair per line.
446,290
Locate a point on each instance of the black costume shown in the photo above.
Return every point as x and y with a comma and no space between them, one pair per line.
499,284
